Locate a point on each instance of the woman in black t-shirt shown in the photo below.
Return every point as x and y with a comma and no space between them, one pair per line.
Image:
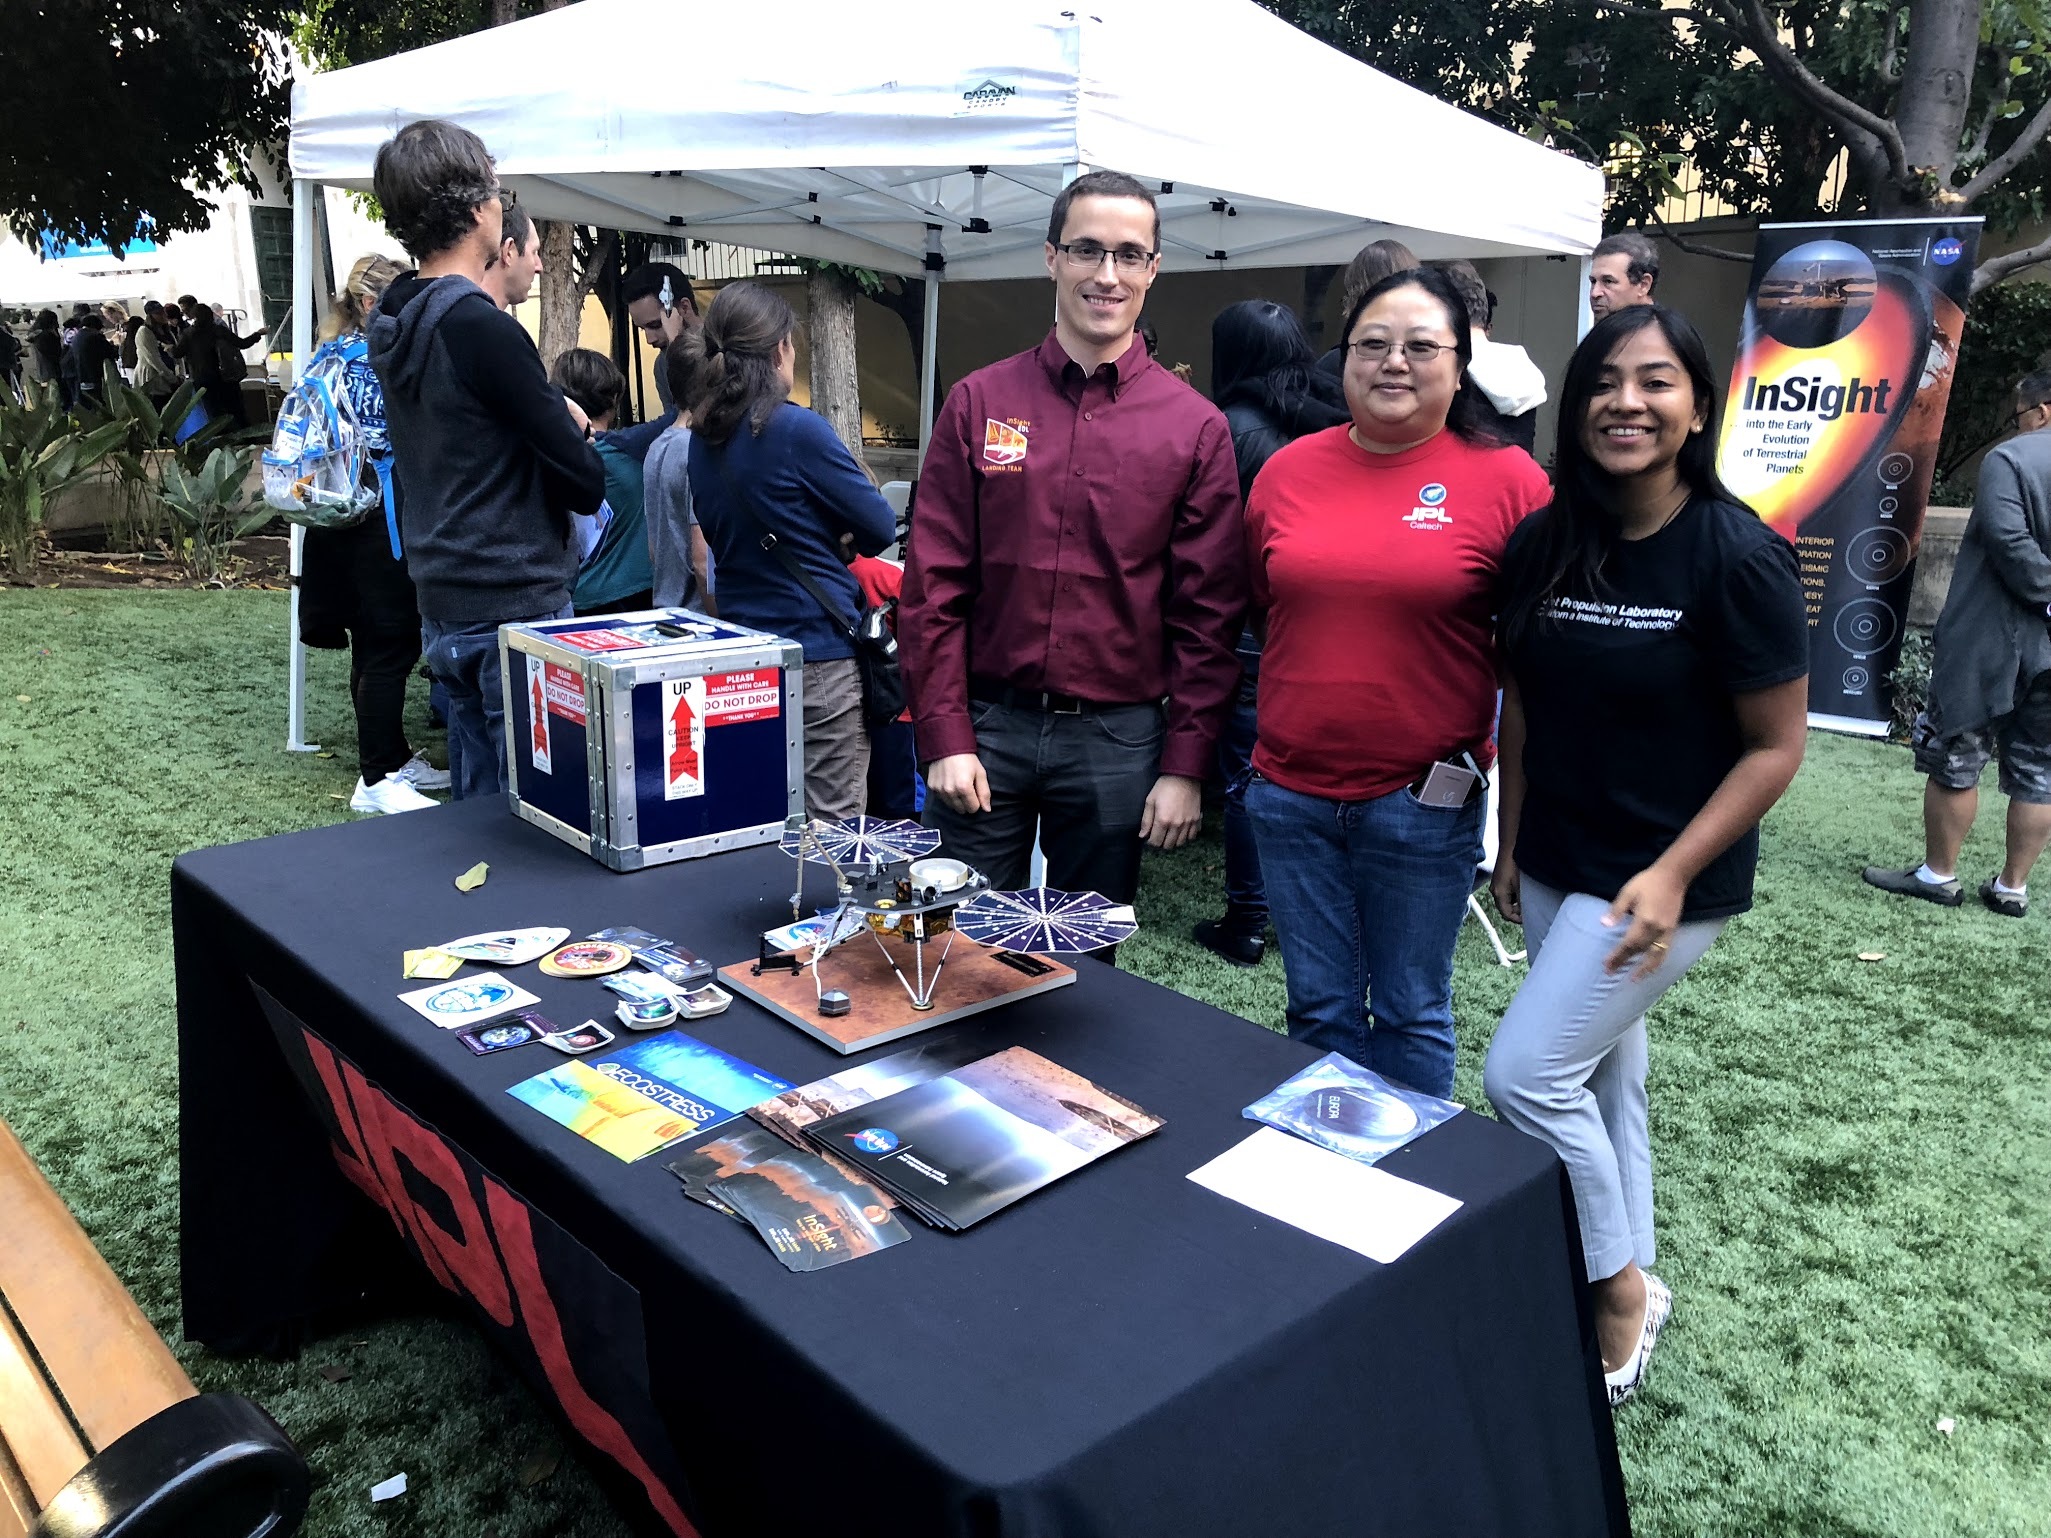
1658,650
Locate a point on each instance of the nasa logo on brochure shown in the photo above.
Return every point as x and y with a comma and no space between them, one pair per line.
875,1140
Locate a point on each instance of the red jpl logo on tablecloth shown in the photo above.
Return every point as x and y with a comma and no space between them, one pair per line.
483,1250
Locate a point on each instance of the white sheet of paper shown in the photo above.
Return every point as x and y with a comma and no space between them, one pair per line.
1336,1198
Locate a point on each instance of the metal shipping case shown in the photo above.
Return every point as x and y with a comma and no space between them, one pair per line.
650,737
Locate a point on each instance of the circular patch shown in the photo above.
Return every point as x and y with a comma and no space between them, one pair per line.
586,958
468,998
1432,495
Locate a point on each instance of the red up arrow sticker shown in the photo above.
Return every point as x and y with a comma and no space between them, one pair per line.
538,709
683,738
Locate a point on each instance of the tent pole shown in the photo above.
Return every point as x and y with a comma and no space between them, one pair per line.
303,195
929,344
1583,316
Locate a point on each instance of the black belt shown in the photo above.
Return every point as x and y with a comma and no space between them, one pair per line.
1046,701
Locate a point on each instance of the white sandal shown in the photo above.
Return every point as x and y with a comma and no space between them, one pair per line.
1659,1303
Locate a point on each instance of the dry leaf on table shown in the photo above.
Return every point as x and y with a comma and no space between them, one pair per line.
473,878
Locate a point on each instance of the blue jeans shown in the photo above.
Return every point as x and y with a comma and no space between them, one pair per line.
1368,898
463,657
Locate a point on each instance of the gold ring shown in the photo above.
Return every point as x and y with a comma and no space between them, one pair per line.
1658,945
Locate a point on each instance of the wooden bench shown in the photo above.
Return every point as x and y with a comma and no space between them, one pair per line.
102,1435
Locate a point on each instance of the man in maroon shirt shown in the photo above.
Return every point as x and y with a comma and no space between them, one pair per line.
1075,579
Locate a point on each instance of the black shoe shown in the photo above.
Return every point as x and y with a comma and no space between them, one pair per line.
2009,904
1906,883
1236,945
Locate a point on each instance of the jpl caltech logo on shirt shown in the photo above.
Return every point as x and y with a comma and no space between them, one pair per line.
1432,495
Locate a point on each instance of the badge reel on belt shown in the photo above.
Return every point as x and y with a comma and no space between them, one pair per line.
1450,783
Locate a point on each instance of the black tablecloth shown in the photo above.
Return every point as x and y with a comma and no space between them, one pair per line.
1125,1353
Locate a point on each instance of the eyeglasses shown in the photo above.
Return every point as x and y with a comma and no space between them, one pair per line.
2015,418
1376,349
1087,256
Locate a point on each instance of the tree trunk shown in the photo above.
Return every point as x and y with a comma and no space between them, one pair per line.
836,387
559,291
1936,88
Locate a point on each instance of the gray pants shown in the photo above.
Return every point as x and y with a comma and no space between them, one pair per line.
1568,1064
836,740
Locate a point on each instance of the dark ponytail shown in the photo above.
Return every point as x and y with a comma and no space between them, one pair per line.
732,361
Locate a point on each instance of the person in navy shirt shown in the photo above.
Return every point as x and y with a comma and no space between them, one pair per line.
759,464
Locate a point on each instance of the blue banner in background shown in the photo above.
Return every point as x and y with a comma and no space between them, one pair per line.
59,248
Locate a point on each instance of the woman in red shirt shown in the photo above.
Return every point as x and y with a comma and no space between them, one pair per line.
1375,550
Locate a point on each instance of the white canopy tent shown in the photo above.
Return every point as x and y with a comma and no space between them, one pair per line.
931,139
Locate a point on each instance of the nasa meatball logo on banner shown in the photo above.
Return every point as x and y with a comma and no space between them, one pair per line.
1830,432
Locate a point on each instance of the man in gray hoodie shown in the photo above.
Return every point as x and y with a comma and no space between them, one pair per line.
1990,677
489,459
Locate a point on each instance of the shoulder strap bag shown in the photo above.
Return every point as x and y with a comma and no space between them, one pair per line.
869,632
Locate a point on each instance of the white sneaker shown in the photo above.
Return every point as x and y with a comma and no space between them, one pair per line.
421,775
390,794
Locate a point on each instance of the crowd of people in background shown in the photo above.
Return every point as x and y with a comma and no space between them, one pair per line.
155,351
1342,586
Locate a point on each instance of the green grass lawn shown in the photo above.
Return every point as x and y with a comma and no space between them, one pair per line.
1854,1158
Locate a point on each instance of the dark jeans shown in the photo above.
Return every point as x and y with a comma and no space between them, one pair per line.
1368,899
1081,779
463,656
380,663
893,771
1245,897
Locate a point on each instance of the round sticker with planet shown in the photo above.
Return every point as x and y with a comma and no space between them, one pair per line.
469,998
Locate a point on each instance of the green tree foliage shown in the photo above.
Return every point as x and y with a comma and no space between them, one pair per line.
1941,106
121,114
2008,334
338,33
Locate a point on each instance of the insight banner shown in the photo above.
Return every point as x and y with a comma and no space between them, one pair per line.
1837,397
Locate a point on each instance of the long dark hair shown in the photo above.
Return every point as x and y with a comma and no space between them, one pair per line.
734,378
1261,358
1466,416
1581,527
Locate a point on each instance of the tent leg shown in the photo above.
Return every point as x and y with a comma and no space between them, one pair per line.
303,215
1583,316
929,346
